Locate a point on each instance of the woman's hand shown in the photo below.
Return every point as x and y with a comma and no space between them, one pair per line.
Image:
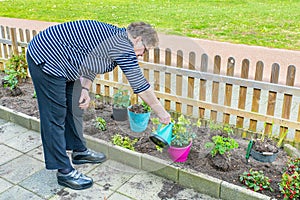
84,100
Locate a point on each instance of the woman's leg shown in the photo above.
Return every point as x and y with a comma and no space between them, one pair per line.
51,96
74,118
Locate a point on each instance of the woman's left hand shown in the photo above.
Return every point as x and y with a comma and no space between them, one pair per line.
84,100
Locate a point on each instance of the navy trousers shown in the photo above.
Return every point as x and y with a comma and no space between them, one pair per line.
61,118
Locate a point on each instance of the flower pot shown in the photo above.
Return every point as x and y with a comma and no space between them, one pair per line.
179,154
120,114
138,121
263,157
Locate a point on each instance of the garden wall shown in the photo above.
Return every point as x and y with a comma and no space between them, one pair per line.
200,89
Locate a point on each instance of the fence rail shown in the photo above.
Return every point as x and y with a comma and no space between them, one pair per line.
248,104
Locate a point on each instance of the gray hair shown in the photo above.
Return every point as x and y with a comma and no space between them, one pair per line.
146,31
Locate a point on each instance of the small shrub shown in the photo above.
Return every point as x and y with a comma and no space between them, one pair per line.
124,142
256,181
290,182
15,70
121,99
100,123
221,145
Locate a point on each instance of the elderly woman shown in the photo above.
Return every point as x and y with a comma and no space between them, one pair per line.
57,57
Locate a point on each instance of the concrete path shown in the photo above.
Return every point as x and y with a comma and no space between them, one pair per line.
23,175
212,48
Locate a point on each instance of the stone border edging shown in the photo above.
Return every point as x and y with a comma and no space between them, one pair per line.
189,178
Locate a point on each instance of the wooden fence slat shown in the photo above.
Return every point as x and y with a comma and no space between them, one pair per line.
22,39
168,79
272,97
215,87
156,72
8,36
202,88
14,39
179,64
297,131
191,82
242,93
116,77
256,94
228,89
287,98
5,47
27,33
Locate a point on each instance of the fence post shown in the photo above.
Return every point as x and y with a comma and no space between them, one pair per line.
242,93
191,82
215,87
272,97
168,79
256,94
156,73
228,89
14,41
202,88
179,80
287,98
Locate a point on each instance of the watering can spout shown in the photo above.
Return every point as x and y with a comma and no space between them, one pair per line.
163,135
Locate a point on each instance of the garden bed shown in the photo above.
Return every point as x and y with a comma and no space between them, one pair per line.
199,158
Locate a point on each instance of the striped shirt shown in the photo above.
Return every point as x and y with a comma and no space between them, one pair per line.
86,48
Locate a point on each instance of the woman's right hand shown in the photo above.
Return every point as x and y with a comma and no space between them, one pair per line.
163,115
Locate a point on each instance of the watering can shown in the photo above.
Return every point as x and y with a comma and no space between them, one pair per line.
163,135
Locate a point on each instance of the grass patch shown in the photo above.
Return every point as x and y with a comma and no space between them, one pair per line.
270,23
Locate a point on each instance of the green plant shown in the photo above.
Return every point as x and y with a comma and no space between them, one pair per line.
125,142
121,99
146,107
100,123
182,130
256,181
290,182
221,145
15,70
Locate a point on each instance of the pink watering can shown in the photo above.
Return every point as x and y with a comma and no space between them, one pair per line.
163,135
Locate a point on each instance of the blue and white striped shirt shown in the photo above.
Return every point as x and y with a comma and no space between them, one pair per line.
86,48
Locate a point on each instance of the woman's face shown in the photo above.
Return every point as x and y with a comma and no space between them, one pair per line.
139,47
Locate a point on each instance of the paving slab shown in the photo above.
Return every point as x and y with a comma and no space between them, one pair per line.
4,185
112,174
10,130
119,196
25,142
42,183
20,168
2,121
7,154
18,193
37,153
95,192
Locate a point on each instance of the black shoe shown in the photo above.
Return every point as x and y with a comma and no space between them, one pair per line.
87,156
74,180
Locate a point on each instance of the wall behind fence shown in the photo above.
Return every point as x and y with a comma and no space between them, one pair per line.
199,89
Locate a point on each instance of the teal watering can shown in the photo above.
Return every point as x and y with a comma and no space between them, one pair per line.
163,135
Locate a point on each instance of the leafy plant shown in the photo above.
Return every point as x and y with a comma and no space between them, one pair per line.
290,182
256,181
100,123
121,99
15,70
182,130
221,145
146,107
125,142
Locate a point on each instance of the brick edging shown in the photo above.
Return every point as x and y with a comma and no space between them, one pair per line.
189,178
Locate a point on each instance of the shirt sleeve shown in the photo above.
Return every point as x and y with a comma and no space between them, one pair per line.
86,73
124,55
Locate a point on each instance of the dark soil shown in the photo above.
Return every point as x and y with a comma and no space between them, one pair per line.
199,158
